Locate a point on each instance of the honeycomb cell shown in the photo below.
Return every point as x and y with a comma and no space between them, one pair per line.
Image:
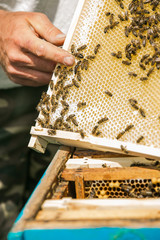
107,73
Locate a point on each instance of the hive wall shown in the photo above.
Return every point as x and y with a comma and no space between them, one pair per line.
107,73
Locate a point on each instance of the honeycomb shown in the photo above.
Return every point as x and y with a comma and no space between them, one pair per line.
132,188
107,73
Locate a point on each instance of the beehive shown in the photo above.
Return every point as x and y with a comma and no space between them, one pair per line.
107,73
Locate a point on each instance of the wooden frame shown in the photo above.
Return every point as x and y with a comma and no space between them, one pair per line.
84,213
90,142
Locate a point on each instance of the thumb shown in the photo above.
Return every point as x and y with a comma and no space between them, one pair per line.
46,30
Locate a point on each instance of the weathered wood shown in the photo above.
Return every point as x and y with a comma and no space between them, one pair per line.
81,152
61,190
43,188
99,214
38,144
110,173
79,185
101,144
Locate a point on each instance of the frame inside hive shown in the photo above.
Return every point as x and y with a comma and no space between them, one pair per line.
99,77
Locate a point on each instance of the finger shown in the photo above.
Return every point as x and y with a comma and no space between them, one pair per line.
29,74
30,61
25,82
46,30
46,50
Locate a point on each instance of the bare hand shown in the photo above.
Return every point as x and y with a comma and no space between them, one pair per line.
29,47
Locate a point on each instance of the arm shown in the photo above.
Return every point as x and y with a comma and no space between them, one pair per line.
29,47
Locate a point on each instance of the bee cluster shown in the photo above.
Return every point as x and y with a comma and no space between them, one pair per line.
144,27
132,188
141,29
49,104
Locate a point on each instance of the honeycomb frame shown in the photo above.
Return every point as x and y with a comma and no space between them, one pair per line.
149,149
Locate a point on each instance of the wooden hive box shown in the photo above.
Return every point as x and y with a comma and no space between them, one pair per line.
110,99
62,206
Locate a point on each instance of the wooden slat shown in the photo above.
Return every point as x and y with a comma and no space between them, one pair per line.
99,214
110,173
61,190
101,144
43,188
79,185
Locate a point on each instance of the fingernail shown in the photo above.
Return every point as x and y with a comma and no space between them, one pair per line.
68,60
60,36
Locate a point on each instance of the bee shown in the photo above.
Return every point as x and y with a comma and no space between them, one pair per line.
94,129
142,112
126,15
65,93
145,57
150,71
132,74
44,112
58,94
92,194
97,48
159,117
106,29
143,78
51,132
85,64
133,103
66,125
147,193
142,66
158,66
90,57
82,133
98,133
40,122
108,93
119,54
121,5
76,67
126,31
54,107
73,48
70,71
126,188
129,127
79,76
132,195
74,121
64,103
58,121
107,14
120,17
82,47
78,55
114,24
139,139
57,70
124,149
51,85
113,54
105,119
111,18
120,135
126,62
75,83
81,104
68,86
69,118
63,111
